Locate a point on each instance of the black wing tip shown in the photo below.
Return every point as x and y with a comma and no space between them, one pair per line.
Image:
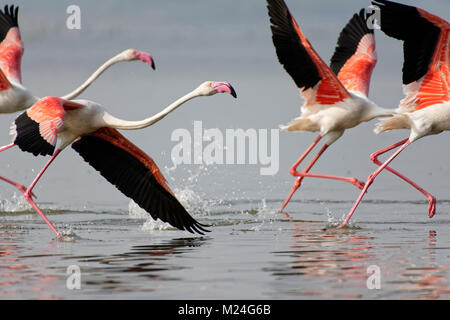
290,51
8,20
349,39
233,92
198,227
10,15
419,35
386,2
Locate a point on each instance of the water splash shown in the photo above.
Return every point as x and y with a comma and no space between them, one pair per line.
68,235
151,225
136,212
17,203
331,219
188,190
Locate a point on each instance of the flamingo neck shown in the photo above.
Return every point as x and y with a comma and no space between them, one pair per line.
116,123
75,93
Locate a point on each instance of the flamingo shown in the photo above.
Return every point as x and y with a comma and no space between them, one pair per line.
332,103
14,96
426,84
53,123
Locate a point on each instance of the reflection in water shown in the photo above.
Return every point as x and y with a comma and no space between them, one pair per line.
150,262
338,258
333,264
10,265
25,276
431,281
252,252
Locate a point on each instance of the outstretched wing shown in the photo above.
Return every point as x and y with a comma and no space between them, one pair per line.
426,41
355,57
11,44
317,83
136,175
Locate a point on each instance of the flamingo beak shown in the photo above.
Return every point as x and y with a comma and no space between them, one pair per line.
221,87
145,57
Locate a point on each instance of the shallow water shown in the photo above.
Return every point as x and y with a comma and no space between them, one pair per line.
252,252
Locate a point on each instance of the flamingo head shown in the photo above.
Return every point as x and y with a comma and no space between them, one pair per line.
209,88
132,54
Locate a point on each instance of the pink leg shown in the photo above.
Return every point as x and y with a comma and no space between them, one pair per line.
431,199
305,173
370,180
7,147
17,185
27,193
353,181
294,167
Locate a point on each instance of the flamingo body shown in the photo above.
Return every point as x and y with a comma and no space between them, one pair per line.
426,75
336,97
53,123
11,44
14,96
332,120
425,110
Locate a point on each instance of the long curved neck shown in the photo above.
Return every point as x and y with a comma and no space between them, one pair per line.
75,93
116,123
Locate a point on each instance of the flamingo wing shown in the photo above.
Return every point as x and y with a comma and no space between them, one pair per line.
4,82
36,129
11,44
355,56
317,83
426,41
136,175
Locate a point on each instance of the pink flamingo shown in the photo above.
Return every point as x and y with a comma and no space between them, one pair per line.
332,103
52,124
426,83
14,96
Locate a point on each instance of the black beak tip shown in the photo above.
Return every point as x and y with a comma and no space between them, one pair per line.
233,92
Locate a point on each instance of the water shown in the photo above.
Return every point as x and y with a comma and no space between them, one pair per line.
252,252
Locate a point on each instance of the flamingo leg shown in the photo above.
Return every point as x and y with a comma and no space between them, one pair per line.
7,147
353,181
294,167
28,193
22,188
305,173
370,180
431,198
